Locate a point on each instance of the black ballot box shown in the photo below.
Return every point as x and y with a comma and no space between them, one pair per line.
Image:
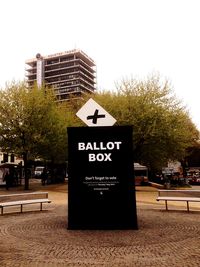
101,188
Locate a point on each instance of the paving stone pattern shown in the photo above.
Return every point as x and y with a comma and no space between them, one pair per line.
41,239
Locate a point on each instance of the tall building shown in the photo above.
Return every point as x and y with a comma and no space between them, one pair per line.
69,72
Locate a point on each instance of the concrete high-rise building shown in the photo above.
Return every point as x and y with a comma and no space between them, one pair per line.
70,72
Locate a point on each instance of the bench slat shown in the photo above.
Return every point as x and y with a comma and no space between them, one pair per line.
25,196
24,202
191,199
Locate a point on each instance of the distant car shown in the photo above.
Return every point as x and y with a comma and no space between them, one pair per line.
194,181
38,171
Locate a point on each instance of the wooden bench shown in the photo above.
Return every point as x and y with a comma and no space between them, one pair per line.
179,195
23,199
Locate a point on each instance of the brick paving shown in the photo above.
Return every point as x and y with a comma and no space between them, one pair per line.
41,239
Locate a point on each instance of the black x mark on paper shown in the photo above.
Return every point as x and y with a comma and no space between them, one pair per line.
95,117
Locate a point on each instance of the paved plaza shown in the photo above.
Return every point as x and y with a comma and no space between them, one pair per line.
41,239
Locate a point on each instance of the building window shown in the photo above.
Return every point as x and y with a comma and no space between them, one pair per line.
12,158
5,157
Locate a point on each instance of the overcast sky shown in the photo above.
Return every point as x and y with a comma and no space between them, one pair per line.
124,37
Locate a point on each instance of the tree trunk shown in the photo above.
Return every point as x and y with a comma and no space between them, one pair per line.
26,177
